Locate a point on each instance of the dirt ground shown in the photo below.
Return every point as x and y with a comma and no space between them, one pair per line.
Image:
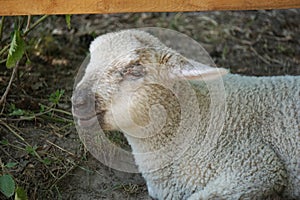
51,162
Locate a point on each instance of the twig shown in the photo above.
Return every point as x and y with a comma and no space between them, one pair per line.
55,133
35,24
3,98
42,115
64,127
259,56
62,176
14,132
2,165
57,110
57,119
266,59
4,49
273,60
72,154
11,157
1,27
28,23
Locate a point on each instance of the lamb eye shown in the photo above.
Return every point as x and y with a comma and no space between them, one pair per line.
135,71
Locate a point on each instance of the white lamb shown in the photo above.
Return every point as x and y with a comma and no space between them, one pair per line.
138,82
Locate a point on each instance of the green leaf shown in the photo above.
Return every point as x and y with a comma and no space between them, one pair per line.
46,161
42,108
16,50
68,21
4,142
56,96
11,107
28,62
11,164
7,185
31,150
17,112
20,194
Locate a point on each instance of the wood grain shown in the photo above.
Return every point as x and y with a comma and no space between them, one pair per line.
38,7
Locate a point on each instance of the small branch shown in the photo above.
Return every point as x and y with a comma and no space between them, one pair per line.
2,165
62,149
4,49
14,132
2,61
1,27
58,110
62,176
3,98
28,23
57,119
9,155
35,24
259,56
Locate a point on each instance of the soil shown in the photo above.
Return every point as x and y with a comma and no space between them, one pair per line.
260,43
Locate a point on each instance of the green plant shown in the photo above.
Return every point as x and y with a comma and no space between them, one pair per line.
8,186
15,47
56,96
31,150
20,194
10,164
13,111
68,21
16,50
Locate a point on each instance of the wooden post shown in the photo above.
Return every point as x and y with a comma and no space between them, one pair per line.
38,7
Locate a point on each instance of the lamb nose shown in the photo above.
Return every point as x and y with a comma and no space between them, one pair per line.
81,98
80,101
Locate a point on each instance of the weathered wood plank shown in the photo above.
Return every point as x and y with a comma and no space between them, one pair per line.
37,7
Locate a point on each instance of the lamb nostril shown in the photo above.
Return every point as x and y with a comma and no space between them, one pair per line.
80,101
81,98
83,103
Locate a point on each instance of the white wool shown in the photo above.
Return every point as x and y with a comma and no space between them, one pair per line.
257,154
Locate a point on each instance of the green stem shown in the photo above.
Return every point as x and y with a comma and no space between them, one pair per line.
4,50
57,110
35,24
57,119
62,111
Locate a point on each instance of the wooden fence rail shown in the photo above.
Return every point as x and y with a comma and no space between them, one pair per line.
38,7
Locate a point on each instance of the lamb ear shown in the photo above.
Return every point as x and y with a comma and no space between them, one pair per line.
193,70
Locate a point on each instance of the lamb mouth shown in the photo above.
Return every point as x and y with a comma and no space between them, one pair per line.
85,122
